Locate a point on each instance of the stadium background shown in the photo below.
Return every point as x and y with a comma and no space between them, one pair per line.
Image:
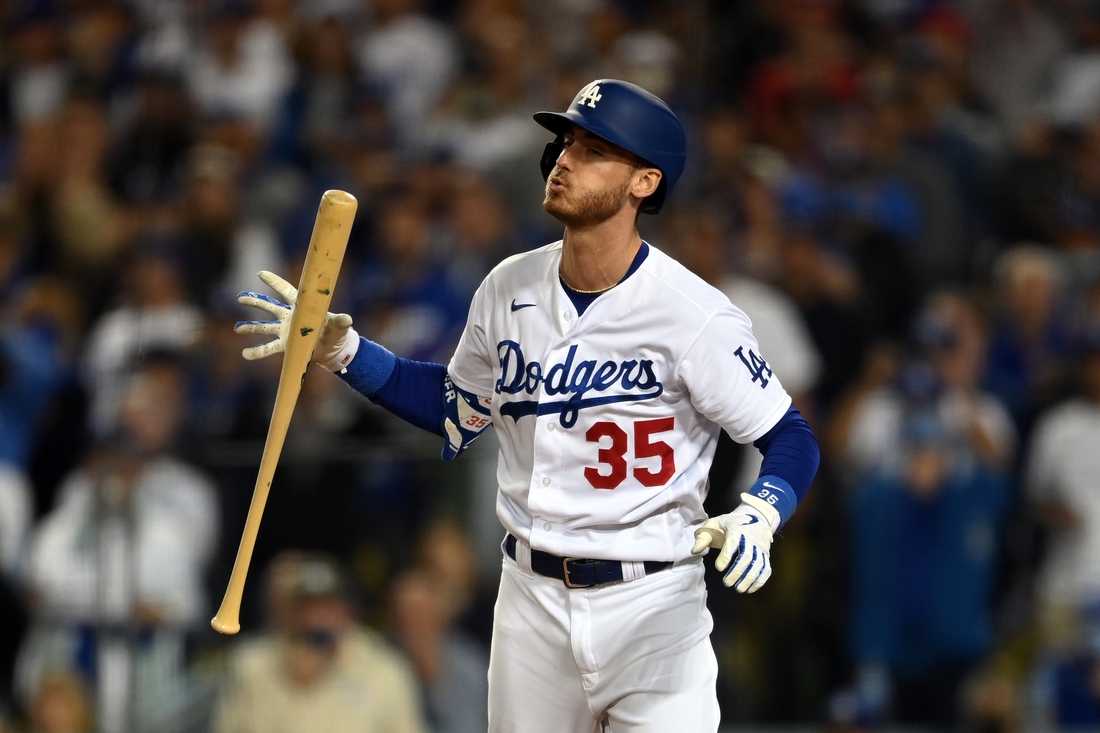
904,195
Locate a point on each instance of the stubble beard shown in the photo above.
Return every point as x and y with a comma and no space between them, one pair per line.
591,209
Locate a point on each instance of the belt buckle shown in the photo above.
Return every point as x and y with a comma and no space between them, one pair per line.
565,568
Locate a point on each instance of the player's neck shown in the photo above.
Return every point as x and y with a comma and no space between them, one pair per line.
597,258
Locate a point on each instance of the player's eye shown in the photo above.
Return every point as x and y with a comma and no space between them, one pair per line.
594,151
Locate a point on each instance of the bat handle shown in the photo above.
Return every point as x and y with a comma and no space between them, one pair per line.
228,618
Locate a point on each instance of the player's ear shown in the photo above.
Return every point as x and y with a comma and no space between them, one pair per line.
645,182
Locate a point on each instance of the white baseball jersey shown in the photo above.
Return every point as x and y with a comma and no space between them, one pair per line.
608,421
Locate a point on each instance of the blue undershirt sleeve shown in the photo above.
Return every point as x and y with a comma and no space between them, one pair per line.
791,459
412,390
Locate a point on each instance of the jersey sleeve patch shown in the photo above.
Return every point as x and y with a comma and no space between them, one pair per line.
465,417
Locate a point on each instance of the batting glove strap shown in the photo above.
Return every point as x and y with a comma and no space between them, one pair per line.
776,493
338,355
744,537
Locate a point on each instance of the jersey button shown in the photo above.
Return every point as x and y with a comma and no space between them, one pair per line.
568,315
546,526
551,427
546,482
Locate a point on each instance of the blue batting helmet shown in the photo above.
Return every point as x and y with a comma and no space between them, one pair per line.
630,117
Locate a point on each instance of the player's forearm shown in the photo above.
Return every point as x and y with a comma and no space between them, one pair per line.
412,390
791,459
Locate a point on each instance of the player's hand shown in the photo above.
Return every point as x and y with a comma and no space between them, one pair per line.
745,538
336,345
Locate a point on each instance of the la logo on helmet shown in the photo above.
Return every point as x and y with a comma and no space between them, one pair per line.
590,95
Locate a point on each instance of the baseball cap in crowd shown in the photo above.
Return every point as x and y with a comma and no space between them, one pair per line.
318,576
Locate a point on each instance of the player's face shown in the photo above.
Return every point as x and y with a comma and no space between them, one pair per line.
591,181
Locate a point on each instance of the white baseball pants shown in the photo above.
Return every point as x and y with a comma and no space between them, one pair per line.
631,657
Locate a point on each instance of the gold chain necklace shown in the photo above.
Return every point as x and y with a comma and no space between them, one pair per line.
591,292
586,292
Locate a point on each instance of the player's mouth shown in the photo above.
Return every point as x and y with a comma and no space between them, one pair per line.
556,184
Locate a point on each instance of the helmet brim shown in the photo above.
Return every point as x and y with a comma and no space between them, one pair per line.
560,123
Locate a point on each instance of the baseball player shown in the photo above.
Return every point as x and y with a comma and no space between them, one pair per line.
607,370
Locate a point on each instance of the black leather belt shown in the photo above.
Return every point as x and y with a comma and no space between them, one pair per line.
577,572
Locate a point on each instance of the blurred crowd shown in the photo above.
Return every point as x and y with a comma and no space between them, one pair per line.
903,195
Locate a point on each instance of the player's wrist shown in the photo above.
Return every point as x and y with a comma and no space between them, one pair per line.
370,368
761,509
776,494
345,353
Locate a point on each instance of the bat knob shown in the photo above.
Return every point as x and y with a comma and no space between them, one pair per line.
225,627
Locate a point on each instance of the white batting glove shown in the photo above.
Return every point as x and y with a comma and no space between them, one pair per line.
336,345
745,537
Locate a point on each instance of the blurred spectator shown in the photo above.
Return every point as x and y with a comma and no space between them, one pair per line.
1017,47
827,291
1060,480
1030,338
154,315
410,303
931,166
924,543
1031,186
953,129
89,226
40,324
16,513
116,570
148,156
1075,91
1080,202
942,382
724,150
327,93
927,455
410,58
481,231
60,705
223,248
101,40
947,110
483,124
815,69
1061,472
316,668
40,73
244,69
453,670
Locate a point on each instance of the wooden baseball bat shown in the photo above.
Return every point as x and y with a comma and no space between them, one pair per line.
326,251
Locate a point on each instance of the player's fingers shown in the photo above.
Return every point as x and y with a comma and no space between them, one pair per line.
765,573
746,558
286,291
338,320
253,353
260,327
752,572
704,539
733,546
264,303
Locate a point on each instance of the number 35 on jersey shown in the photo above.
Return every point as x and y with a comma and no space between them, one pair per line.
633,448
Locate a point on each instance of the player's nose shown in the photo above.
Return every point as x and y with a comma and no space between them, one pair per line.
564,161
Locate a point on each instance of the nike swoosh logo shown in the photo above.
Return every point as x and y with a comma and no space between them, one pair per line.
516,307
772,487
752,520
